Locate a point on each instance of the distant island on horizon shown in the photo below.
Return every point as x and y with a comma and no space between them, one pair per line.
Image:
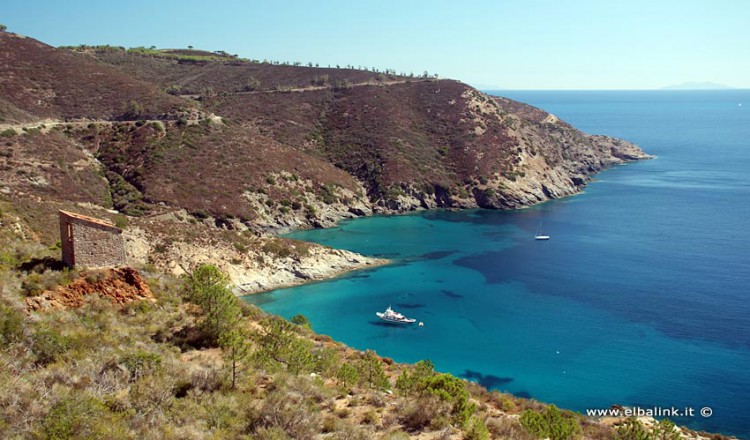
695,85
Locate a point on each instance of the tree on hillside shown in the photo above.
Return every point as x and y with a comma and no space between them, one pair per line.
208,288
236,346
279,348
3,27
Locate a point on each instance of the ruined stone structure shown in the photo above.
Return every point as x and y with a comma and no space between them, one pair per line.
90,242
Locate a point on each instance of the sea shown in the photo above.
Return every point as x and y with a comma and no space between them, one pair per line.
640,297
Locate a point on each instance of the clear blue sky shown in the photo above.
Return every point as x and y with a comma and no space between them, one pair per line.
512,44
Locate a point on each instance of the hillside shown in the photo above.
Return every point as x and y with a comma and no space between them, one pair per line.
202,157
411,142
258,147
38,81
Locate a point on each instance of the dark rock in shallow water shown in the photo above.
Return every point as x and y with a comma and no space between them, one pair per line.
409,306
436,255
452,294
489,381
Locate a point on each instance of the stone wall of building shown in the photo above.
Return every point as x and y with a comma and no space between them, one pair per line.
90,242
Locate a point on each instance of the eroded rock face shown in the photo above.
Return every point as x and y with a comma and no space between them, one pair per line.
121,286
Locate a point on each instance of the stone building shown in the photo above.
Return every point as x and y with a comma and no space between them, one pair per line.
90,242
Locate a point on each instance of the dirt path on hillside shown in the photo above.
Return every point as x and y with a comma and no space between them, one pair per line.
327,87
45,125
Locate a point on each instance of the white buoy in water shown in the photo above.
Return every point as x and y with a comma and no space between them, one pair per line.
421,324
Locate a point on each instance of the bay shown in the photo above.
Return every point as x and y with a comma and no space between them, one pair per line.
639,298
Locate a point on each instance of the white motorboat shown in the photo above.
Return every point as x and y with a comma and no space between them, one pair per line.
392,316
539,235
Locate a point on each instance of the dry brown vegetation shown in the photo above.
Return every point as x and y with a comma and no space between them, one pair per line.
46,82
350,141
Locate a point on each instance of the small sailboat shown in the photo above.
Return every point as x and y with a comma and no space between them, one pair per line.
539,234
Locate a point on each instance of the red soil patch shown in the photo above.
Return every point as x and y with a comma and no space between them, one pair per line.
121,286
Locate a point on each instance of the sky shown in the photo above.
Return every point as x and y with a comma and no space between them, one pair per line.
500,44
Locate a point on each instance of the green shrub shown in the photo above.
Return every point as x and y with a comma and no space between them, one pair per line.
125,197
140,363
329,195
632,429
327,361
8,132
347,375
80,417
421,380
477,430
370,370
11,325
413,380
552,423
280,349
665,430
301,320
121,221
311,211
48,346
208,287
32,285
452,390
132,110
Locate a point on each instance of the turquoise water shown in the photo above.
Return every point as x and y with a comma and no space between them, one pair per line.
639,298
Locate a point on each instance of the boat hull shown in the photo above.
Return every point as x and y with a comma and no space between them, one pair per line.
394,320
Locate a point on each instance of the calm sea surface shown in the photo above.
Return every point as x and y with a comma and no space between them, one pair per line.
640,297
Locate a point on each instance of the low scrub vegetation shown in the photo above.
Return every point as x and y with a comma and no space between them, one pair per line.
200,363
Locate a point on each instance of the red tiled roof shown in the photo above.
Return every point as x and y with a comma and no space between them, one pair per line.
99,222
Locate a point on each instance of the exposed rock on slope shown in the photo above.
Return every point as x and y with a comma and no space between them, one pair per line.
120,286
254,264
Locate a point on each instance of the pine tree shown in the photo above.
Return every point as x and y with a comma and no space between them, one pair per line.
208,288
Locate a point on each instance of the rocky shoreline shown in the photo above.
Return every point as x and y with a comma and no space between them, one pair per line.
257,260
254,264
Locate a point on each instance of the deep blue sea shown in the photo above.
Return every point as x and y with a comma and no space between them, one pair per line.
639,298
